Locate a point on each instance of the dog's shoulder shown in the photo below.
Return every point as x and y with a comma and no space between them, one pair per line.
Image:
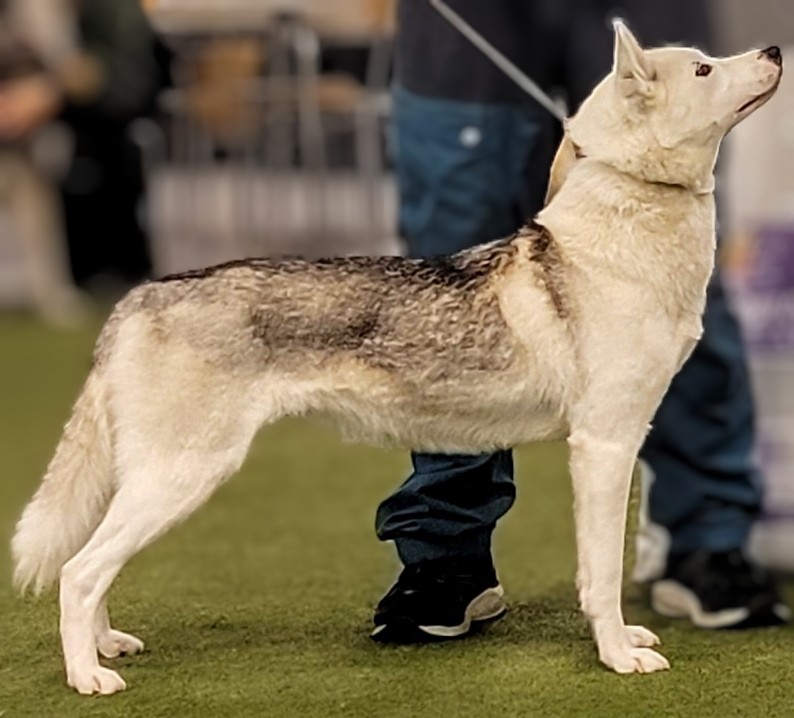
537,244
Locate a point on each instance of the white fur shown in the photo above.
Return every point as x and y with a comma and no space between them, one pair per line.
633,216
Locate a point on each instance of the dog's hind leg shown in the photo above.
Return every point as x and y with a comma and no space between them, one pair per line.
142,510
601,470
154,494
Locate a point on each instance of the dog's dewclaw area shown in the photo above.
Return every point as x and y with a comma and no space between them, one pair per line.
260,605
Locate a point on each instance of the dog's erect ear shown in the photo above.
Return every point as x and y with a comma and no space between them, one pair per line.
633,72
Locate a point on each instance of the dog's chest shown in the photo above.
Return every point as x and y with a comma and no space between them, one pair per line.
673,256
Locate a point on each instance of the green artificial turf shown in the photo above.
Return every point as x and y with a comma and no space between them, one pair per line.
260,604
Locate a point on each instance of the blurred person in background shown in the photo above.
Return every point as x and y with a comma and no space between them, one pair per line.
102,68
37,40
472,157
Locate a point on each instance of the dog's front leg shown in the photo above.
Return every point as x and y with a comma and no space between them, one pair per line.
601,470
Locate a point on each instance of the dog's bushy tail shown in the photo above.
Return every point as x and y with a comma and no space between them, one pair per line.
73,496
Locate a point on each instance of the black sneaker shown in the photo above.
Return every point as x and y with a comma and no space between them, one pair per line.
718,590
438,600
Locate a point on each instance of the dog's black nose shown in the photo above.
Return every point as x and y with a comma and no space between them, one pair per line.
774,54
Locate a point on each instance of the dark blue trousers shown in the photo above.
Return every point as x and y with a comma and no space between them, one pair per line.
461,171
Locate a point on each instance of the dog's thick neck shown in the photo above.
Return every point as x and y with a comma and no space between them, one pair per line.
670,171
641,154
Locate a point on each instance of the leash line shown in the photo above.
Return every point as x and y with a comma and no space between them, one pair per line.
516,75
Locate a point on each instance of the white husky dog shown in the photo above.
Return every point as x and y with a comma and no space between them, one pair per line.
572,328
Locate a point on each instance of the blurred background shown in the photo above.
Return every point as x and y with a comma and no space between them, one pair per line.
192,132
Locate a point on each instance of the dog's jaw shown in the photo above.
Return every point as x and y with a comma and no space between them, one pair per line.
758,101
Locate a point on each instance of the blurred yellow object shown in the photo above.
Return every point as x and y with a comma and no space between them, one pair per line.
342,21
218,96
355,17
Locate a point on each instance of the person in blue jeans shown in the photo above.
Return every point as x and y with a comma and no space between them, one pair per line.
472,154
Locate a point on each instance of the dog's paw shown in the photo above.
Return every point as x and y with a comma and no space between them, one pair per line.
634,660
96,679
640,637
115,643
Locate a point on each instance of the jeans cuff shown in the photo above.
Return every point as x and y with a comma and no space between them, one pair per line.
716,539
476,547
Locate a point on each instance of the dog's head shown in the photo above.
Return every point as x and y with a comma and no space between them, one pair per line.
661,114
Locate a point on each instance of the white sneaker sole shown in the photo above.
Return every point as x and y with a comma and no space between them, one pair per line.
671,599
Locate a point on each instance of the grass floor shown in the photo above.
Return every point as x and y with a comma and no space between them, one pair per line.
260,604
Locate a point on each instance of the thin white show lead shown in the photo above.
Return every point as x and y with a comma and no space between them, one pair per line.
524,82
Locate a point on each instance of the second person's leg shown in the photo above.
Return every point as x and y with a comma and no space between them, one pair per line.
460,170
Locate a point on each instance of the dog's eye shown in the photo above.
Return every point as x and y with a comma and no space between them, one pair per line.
702,69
